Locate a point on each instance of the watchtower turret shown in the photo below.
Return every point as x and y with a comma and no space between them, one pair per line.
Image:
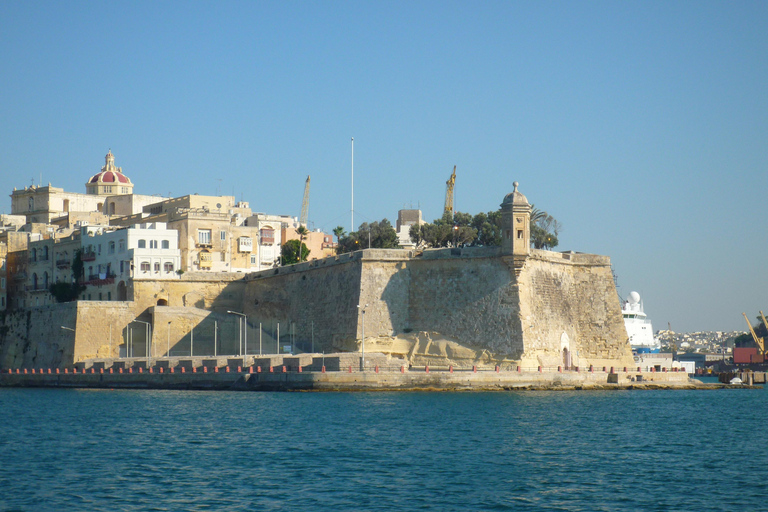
516,227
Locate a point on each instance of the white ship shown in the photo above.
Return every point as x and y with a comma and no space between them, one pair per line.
638,326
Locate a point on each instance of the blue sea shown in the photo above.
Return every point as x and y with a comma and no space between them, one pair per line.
130,450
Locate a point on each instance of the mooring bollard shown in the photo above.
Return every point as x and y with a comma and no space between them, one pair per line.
101,370
474,369
450,369
120,370
171,370
323,369
285,369
258,369
426,369
215,369
161,369
497,368
271,369
299,369
402,368
205,369
183,370
227,368
57,371
250,369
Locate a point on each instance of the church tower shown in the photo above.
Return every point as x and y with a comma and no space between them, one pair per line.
516,228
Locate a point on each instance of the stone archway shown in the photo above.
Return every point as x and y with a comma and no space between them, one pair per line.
162,302
122,292
565,348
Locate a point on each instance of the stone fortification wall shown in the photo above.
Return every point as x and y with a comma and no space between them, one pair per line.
219,292
568,302
306,302
34,338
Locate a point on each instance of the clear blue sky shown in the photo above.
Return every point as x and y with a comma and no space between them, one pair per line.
641,126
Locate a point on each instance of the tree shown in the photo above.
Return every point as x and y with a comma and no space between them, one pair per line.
302,232
68,292
289,252
447,231
339,232
544,229
380,235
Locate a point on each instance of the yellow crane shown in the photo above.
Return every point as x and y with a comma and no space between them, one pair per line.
758,341
449,193
305,205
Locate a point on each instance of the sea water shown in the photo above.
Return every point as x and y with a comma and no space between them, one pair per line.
567,450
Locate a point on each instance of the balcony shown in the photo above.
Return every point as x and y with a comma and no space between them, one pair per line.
63,263
88,256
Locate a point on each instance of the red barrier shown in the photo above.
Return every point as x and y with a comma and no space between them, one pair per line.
119,369
539,369
183,370
258,369
57,370
150,370
402,368
350,369
130,370
101,370
194,369
426,369
205,369
171,369
497,368
284,369
66,370
450,369
560,369
518,369
611,370
227,367
299,369
161,369
33,371
591,369
474,369
271,369
239,370
323,370
110,370
215,369
250,369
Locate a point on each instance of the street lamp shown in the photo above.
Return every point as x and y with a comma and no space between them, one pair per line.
168,343
455,232
245,321
363,334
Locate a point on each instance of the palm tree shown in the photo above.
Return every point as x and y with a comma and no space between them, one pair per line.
302,232
339,232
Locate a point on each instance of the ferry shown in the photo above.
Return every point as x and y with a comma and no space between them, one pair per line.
638,326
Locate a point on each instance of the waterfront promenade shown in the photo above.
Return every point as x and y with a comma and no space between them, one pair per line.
338,372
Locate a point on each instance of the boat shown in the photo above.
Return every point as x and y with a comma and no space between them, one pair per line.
638,326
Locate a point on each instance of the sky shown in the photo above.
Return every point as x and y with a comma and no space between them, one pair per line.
641,126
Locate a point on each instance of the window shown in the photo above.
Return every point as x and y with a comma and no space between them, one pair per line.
223,235
145,266
33,255
253,259
142,244
157,267
109,295
267,235
168,267
121,246
45,253
111,247
99,251
153,244
519,234
166,244
2,282
45,280
204,236
121,266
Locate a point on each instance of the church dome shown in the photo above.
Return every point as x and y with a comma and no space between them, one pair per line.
110,181
515,197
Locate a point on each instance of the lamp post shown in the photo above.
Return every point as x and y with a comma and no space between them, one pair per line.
455,232
245,322
362,362
168,343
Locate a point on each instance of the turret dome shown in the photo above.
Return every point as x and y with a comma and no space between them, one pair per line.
515,197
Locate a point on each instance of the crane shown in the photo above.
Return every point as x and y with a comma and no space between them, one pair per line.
449,193
758,341
305,205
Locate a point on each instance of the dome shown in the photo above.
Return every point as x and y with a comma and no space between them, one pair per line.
633,298
110,181
109,177
515,197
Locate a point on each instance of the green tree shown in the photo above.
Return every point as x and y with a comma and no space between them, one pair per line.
339,232
544,229
289,252
302,231
68,292
379,235
447,231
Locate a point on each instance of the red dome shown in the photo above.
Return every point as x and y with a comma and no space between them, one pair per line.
109,177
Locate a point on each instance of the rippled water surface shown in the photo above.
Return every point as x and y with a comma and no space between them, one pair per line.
186,450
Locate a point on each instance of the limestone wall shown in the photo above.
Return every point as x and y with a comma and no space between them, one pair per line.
569,301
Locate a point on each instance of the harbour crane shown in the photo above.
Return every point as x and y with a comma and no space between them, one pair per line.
305,205
758,341
449,193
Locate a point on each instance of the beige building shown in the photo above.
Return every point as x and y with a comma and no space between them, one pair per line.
320,244
109,192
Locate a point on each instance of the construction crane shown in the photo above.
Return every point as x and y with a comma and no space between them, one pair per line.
758,341
305,205
449,193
